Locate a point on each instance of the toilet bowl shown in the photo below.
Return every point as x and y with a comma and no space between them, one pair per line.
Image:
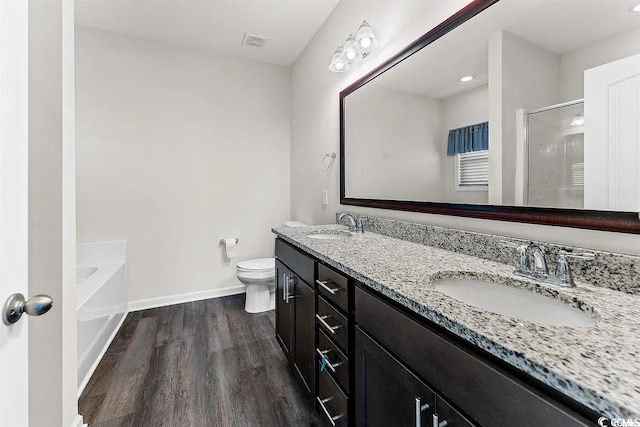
259,276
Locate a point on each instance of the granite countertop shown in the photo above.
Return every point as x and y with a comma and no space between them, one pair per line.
598,366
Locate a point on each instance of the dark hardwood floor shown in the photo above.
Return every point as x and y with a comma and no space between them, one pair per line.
204,363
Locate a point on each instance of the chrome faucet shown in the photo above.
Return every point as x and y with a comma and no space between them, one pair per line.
355,224
531,263
538,263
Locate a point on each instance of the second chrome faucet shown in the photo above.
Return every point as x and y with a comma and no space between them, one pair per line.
531,262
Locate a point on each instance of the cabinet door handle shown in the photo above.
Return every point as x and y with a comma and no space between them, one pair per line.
330,328
323,284
419,408
438,423
285,288
325,360
290,281
332,418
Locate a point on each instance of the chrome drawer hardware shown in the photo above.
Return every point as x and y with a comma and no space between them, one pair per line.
326,362
438,423
326,411
324,283
419,408
331,329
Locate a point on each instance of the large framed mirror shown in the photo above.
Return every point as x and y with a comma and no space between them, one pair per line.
516,110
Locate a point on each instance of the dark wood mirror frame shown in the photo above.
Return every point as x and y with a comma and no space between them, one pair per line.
623,222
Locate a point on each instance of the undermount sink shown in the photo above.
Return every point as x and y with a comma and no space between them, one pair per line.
513,302
329,236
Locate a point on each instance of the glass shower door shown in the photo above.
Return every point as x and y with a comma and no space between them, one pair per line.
555,156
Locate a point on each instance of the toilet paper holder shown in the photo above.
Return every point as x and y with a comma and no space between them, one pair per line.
222,241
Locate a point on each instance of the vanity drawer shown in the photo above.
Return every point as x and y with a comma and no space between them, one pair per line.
332,402
333,323
481,389
298,262
339,368
334,286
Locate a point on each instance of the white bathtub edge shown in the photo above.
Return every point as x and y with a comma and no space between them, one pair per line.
93,367
78,422
144,304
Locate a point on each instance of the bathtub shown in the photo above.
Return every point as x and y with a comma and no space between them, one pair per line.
101,302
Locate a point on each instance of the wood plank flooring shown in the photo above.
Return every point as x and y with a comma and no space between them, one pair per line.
204,363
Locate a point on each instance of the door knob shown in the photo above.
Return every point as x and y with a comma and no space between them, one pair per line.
16,305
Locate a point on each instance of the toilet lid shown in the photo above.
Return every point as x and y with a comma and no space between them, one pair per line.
260,264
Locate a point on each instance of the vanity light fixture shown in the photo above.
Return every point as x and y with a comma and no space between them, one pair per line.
349,51
466,78
635,9
366,40
578,120
355,48
338,65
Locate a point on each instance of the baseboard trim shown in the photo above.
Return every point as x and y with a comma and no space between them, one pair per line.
78,422
144,304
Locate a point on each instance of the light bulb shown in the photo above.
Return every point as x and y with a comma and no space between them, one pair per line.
635,9
466,78
339,65
365,42
351,55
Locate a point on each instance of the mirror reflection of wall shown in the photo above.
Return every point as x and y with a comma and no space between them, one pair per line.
526,55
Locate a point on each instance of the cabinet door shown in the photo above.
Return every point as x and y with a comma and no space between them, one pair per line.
388,394
304,335
284,310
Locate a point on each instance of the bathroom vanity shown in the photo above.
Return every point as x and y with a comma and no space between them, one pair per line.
375,343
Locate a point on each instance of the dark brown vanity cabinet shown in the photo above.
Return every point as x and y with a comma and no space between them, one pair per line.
335,346
400,359
295,311
389,394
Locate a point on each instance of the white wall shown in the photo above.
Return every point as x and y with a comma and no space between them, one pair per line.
530,79
573,64
464,109
176,149
315,120
314,91
52,338
399,159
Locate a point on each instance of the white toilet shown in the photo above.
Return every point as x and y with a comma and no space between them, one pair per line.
259,275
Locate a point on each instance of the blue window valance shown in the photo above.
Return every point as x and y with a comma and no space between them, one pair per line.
468,139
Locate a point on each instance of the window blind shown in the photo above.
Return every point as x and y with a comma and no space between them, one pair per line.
473,169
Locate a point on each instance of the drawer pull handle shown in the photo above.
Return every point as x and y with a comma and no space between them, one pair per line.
330,328
419,408
438,423
326,412
324,283
326,362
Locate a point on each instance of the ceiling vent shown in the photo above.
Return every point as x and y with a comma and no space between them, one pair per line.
254,41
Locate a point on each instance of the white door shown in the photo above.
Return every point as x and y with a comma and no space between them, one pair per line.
612,136
13,207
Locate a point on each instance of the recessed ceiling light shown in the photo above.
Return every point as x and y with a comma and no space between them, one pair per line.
635,9
466,78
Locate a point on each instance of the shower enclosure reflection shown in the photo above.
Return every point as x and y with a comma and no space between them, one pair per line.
553,149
